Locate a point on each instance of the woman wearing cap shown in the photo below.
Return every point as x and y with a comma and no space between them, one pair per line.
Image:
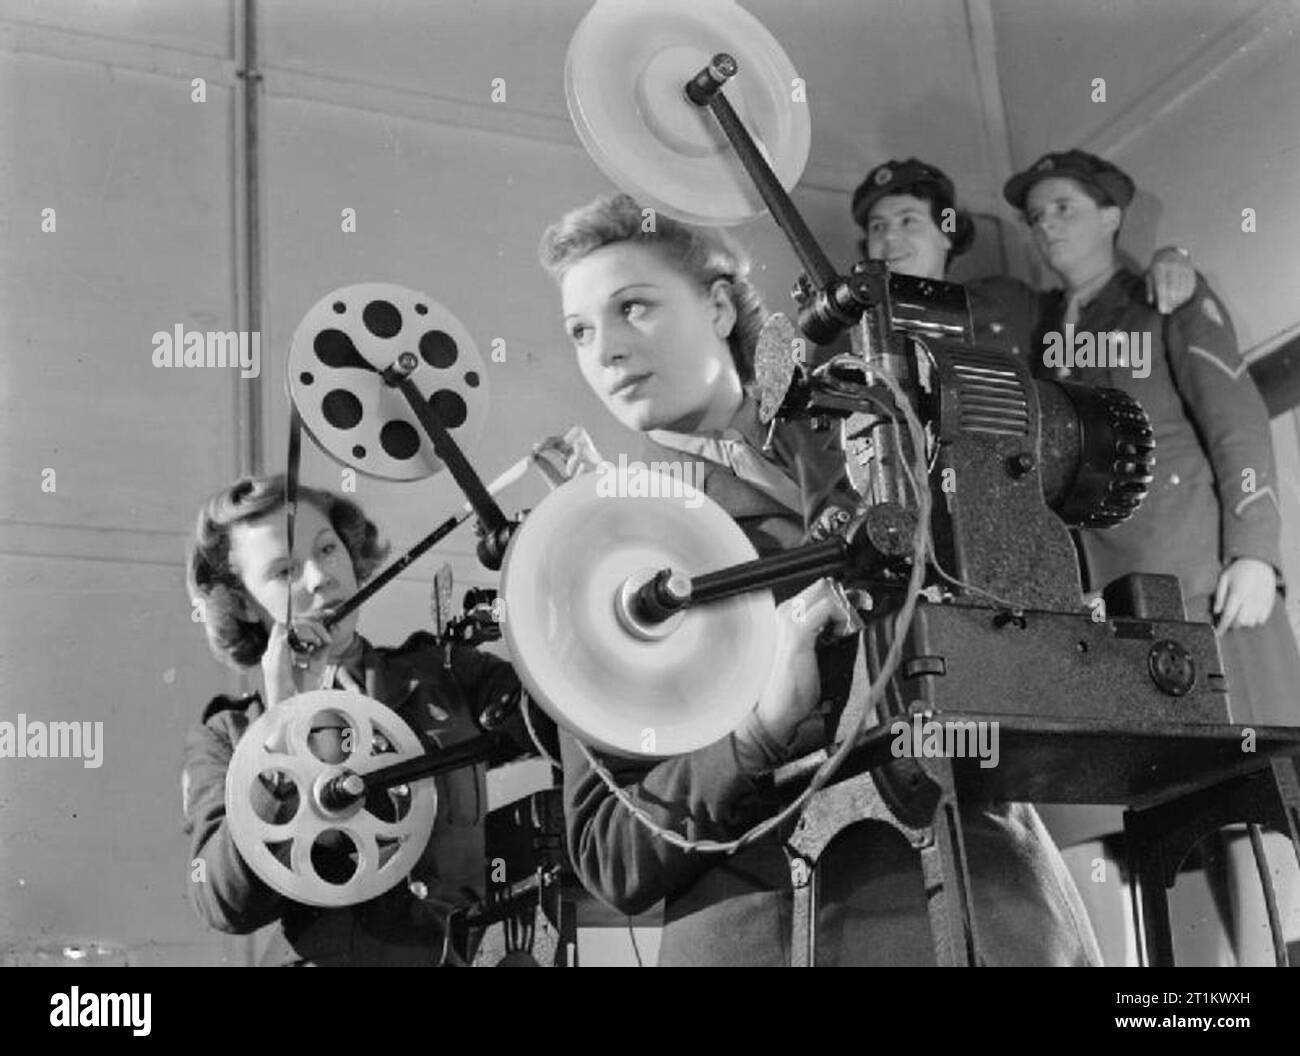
1212,516
908,211
664,325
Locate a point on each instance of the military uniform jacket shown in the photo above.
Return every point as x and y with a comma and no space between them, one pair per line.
438,691
737,909
1004,312
1214,497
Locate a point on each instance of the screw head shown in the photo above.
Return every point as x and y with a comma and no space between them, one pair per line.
725,64
1022,463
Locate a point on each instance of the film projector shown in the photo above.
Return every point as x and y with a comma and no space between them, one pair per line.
688,107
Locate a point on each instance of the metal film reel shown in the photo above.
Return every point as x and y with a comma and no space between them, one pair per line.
289,838
673,688
624,78
339,349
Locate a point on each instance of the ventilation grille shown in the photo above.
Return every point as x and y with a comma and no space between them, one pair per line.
991,397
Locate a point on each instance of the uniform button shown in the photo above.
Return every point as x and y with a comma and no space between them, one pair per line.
1174,478
419,889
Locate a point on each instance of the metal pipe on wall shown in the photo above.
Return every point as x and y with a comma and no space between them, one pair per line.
248,229
248,277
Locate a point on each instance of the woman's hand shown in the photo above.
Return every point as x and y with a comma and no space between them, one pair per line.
794,687
281,677
1245,594
1171,279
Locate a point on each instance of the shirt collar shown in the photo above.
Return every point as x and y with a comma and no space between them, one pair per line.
1115,292
744,424
1123,287
1089,291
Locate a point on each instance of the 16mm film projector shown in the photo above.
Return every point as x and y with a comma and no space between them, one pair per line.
1125,707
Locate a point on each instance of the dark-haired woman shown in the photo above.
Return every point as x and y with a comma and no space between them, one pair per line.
241,570
908,210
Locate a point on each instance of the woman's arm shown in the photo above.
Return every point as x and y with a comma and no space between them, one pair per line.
224,891
1230,416
709,794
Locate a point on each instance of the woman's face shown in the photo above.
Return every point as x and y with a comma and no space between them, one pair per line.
1072,232
901,231
651,342
319,578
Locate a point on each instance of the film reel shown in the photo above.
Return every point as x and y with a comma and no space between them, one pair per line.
624,78
278,816
335,364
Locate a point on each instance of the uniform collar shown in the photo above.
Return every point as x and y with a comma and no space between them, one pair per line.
368,667
793,442
1116,292
744,425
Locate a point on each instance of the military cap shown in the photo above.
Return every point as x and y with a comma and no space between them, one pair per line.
891,177
1097,173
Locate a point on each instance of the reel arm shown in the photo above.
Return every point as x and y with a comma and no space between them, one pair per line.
497,528
391,572
829,303
494,746
346,788
423,546
704,89
871,550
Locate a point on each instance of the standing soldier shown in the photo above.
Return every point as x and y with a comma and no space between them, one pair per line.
1212,516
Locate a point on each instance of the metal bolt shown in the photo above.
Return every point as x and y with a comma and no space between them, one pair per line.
679,586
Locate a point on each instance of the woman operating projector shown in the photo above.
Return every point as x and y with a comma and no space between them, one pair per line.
664,323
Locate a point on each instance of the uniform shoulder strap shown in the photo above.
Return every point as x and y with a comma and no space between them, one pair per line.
222,703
